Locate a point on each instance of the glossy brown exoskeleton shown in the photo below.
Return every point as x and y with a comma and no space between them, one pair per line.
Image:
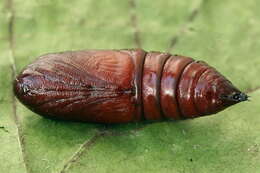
119,86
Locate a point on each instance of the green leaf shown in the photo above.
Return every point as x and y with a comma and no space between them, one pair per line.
222,33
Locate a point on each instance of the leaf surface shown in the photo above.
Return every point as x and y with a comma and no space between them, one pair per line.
225,34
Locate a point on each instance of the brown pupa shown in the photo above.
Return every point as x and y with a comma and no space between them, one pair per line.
120,86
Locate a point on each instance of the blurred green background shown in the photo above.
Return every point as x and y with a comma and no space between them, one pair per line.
224,33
